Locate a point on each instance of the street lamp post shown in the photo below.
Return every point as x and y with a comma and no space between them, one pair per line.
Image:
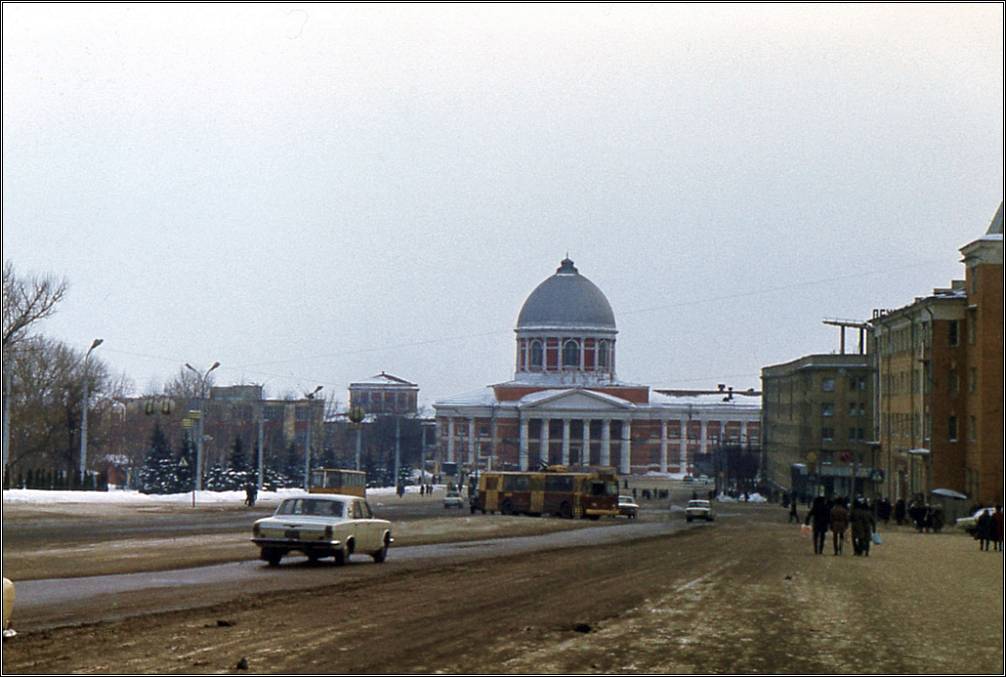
307,443
83,413
198,470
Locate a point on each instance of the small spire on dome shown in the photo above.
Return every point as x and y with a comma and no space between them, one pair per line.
566,267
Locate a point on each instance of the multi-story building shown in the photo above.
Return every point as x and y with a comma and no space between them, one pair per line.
229,413
384,394
817,426
939,388
565,404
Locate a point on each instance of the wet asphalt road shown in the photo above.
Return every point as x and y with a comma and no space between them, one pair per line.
53,602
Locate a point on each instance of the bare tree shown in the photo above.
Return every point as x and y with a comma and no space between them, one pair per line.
186,385
26,300
47,378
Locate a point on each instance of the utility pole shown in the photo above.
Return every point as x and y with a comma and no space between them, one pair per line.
83,414
307,443
261,440
398,445
202,412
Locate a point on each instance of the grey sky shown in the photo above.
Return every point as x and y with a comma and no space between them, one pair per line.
311,194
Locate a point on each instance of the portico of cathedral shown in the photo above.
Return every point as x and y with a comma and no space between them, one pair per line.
565,404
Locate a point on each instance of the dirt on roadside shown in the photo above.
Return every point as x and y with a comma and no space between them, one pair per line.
743,595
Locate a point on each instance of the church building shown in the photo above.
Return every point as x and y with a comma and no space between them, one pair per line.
565,404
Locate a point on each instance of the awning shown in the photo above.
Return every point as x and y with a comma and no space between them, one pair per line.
949,493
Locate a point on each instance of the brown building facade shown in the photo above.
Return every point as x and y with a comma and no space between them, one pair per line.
817,423
939,382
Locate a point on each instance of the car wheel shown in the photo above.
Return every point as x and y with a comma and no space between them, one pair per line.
273,557
688,519
340,557
382,554
566,511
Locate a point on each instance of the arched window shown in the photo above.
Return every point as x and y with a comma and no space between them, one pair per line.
571,353
602,355
536,354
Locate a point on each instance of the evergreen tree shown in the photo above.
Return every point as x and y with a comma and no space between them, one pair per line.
159,474
238,461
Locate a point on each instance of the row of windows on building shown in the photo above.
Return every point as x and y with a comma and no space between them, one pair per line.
828,385
909,426
912,380
911,337
543,354
855,409
380,399
855,434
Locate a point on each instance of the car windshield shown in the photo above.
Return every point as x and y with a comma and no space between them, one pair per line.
698,504
311,506
625,499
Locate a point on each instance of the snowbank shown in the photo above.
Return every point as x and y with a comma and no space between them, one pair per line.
129,496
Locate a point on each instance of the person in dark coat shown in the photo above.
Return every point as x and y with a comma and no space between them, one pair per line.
863,526
997,528
983,529
820,515
839,523
899,511
793,516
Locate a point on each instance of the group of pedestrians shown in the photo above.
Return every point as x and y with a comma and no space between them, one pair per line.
836,515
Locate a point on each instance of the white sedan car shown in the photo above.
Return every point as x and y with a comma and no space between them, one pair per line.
699,509
322,525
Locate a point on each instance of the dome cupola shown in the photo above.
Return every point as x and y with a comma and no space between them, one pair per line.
566,331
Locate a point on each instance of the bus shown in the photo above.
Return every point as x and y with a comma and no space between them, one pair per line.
338,481
590,493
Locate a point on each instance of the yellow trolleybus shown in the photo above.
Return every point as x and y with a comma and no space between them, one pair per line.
590,493
338,481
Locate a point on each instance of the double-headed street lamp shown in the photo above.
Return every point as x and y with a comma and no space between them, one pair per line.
83,413
198,470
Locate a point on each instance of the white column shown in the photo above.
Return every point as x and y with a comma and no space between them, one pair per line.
663,445
744,432
450,440
543,449
565,441
606,442
703,438
585,451
471,441
683,444
523,443
626,455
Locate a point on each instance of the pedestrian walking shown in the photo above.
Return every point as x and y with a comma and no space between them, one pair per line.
793,516
820,515
839,523
863,526
899,511
984,529
997,528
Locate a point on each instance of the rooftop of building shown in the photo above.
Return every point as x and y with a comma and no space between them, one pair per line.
566,300
384,380
823,362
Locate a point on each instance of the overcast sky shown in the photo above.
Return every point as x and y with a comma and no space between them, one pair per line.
312,194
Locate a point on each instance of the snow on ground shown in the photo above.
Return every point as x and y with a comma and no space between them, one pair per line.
129,496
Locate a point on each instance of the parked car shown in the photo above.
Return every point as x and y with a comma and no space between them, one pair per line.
970,524
322,525
627,506
453,499
699,509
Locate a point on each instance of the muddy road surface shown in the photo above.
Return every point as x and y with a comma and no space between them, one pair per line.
744,594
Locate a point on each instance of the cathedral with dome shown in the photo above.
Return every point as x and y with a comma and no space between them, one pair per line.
565,404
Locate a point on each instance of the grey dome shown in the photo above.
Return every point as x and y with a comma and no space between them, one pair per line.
567,299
